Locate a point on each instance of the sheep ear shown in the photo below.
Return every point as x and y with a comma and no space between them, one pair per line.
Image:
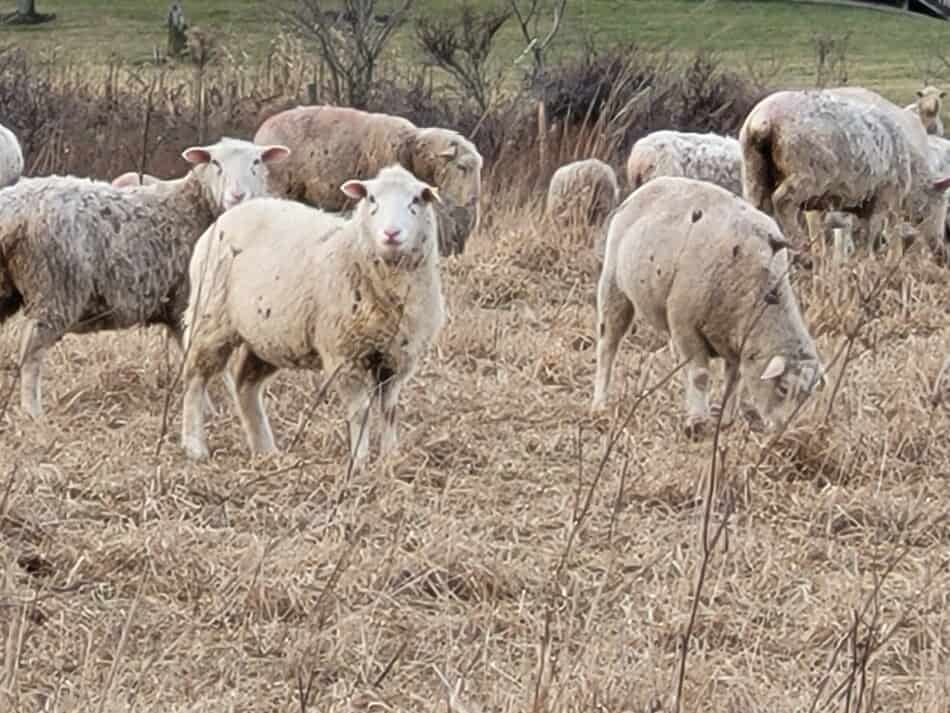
355,189
941,184
430,194
451,152
274,153
196,155
774,369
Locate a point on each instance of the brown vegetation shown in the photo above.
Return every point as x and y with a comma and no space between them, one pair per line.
517,555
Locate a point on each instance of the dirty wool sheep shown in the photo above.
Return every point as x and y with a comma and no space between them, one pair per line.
360,300
333,144
11,158
705,157
82,256
583,192
927,109
700,264
821,150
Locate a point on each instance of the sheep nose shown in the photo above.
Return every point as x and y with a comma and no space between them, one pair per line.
391,234
237,196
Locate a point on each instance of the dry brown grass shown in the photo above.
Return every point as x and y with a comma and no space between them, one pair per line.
466,573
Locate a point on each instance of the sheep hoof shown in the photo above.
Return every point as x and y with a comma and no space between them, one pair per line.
695,429
195,450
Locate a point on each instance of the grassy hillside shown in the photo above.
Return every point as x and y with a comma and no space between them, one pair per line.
888,50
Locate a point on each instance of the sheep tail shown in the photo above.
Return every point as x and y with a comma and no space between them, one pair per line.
758,169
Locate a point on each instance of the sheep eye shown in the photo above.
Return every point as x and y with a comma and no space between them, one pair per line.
781,390
415,200
257,162
214,162
371,198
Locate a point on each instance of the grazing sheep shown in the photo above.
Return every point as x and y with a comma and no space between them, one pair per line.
360,299
927,109
332,144
583,191
705,157
699,263
825,150
11,158
133,179
930,206
82,256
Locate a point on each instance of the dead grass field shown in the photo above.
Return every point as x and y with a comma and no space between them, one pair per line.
493,557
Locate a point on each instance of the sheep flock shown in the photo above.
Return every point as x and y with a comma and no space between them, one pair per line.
349,307
317,246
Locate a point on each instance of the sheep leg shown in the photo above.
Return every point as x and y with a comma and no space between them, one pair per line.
202,361
730,396
357,397
614,316
37,338
388,401
178,337
251,377
696,378
788,199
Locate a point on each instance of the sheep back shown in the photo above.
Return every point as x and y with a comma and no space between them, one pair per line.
85,256
585,190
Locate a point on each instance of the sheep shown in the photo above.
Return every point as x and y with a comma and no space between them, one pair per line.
360,299
707,157
583,191
932,205
331,144
81,256
133,179
838,150
927,109
11,158
701,264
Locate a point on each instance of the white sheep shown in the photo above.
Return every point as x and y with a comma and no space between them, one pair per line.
927,109
288,286
845,149
11,158
331,144
702,265
705,157
82,256
583,191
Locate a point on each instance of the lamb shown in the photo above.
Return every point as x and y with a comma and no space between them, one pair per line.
706,157
11,158
583,191
839,150
80,256
131,179
360,299
927,109
331,144
699,263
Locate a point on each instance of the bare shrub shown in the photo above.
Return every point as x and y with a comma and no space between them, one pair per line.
462,47
831,58
350,41
531,15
